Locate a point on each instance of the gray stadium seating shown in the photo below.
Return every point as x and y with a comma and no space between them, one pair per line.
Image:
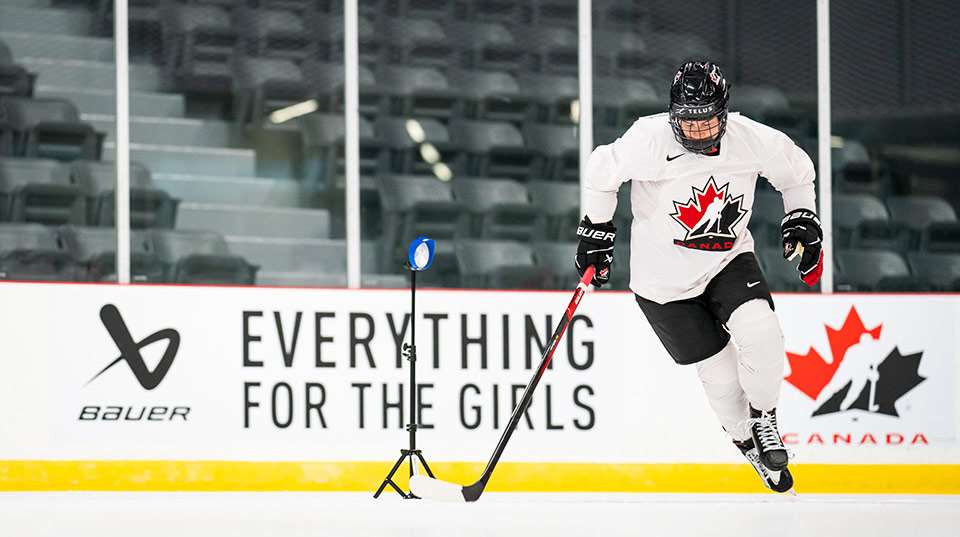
557,259
150,207
262,85
200,257
917,213
323,136
861,220
622,53
326,80
505,11
232,190
619,102
491,95
553,13
488,46
412,206
559,146
31,252
500,208
498,265
766,218
495,149
866,270
15,81
410,155
417,42
550,49
199,41
50,128
942,270
274,33
42,191
95,249
244,220
553,94
559,205
418,92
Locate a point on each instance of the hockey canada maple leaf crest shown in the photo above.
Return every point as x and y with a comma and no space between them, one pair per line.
862,374
708,218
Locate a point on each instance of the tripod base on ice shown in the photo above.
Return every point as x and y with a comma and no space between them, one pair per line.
404,455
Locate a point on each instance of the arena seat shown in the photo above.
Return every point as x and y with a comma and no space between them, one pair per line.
941,270
200,257
499,208
557,259
262,85
488,46
498,265
559,205
553,95
95,249
418,92
276,33
41,191
50,128
150,207
495,149
30,252
559,146
416,42
551,50
866,269
917,213
491,95
407,141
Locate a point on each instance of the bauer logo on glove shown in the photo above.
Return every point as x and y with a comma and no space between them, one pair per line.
595,248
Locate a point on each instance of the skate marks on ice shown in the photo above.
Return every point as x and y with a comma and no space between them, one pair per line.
277,514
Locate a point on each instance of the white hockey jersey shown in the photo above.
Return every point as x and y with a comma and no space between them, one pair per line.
690,211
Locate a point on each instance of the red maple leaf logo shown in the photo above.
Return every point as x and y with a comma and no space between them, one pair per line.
690,213
809,373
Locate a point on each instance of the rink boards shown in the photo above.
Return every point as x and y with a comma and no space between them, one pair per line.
216,388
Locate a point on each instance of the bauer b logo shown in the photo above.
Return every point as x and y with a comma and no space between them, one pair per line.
862,374
130,350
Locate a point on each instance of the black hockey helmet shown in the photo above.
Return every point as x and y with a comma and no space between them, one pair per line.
699,92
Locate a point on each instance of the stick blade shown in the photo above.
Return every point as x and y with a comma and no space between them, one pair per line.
434,489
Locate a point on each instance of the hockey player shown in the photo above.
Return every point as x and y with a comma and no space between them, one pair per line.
693,271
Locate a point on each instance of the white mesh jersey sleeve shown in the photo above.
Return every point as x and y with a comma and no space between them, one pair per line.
789,170
630,157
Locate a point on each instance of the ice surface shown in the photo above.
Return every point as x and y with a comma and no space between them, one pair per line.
108,514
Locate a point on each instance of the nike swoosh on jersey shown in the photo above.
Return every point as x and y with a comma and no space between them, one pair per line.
752,284
669,158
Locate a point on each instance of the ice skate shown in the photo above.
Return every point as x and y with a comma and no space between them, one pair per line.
777,481
766,438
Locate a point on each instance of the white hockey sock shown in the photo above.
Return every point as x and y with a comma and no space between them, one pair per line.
721,383
757,334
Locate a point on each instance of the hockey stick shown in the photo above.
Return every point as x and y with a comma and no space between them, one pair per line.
434,489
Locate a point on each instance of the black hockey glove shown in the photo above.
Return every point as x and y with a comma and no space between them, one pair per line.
803,236
596,248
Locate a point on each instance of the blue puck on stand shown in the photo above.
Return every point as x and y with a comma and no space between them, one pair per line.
420,253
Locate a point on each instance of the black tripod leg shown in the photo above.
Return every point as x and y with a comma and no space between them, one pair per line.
389,478
424,463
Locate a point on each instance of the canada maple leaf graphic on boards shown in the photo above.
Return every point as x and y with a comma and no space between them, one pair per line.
875,384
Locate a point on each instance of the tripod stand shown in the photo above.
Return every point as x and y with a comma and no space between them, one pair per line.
410,353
